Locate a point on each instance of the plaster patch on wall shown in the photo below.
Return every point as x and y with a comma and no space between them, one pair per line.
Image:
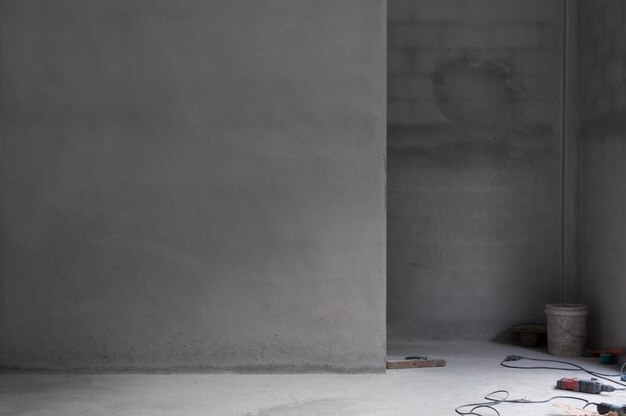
490,114
470,90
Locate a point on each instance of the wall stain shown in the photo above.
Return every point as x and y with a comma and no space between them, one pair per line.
458,147
473,91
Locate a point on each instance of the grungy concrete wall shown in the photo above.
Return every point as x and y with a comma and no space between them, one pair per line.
474,113
603,167
192,184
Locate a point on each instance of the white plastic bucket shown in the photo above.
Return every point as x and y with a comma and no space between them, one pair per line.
567,328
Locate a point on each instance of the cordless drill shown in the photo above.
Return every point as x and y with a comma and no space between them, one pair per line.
604,408
583,386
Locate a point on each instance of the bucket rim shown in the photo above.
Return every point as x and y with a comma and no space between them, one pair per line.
566,309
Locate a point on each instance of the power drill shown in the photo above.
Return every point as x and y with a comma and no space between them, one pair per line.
583,386
604,408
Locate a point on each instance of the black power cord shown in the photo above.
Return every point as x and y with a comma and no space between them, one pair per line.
572,367
493,401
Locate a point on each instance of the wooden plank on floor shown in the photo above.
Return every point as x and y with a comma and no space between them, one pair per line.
399,364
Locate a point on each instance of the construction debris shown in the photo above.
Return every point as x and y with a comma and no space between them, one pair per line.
570,410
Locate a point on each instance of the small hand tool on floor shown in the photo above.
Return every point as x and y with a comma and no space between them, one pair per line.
583,386
613,351
414,361
604,408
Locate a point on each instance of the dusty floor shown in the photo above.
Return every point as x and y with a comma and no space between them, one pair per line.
473,370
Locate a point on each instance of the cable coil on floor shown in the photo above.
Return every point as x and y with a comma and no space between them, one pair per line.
492,400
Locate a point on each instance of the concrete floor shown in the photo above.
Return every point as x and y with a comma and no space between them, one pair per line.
473,370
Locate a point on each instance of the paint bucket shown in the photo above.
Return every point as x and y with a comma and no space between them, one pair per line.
567,328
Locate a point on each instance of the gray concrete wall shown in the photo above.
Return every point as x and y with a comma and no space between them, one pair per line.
603,167
570,284
192,184
474,165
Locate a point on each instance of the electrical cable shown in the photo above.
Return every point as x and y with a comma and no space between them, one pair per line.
493,401
576,367
474,409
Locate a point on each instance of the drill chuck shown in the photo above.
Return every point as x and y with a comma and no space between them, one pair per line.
583,386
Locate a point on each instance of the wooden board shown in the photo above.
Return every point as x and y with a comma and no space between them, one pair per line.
398,364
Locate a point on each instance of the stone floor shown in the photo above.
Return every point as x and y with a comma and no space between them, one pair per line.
472,371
